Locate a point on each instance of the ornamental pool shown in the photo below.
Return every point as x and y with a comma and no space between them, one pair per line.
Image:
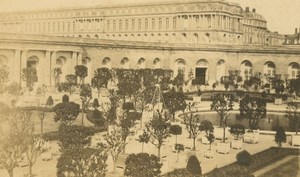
271,122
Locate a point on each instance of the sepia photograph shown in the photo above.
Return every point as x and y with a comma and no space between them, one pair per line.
149,88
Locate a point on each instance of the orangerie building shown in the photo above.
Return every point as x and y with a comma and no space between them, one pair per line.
204,38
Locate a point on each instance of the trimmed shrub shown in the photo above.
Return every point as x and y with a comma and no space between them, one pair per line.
280,136
50,101
142,165
182,172
193,166
65,98
244,158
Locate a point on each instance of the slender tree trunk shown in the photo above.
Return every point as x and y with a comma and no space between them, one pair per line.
11,172
98,94
158,153
194,144
177,156
30,170
82,114
176,140
42,123
142,147
115,166
224,134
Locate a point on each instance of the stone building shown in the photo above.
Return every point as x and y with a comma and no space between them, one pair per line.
203,38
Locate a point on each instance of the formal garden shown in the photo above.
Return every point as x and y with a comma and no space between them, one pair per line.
146,123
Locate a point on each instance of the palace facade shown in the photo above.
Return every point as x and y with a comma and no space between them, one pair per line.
203,38
193,21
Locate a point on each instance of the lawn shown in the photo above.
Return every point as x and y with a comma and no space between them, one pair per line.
288,169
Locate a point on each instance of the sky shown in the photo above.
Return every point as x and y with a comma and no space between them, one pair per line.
281,15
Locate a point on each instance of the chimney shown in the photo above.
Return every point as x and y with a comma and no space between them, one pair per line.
247,9
254,10
296,30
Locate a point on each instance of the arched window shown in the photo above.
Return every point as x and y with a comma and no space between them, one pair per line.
179,66
125,63
246,69
293,70
141,63
201,71
106,62
156,63
220,70
32,62
270,69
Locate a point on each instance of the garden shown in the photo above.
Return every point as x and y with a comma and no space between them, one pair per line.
139,122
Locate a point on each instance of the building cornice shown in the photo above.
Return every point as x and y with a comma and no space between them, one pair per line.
105,43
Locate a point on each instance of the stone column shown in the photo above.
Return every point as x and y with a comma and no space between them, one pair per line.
48,68
23,63
16,67
52,63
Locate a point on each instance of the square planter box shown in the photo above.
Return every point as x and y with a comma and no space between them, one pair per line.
197,99
278,101
237,144
251,137
223,148
295,140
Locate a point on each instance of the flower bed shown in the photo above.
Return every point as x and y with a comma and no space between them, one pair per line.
259,161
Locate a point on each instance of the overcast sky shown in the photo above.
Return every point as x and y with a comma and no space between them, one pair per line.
282,15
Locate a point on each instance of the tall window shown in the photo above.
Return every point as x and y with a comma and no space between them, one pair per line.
114,25
133,24
146,24
153,23
108,25
159,23
139,24
270,69
126,25
246,69
174,23
120,25
167,23
293,70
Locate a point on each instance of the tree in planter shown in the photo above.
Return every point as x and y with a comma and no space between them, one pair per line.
101,78
237,129
85,96
253,109
112,112
174,101
17,128
126,124
222,104
208,127
142,164
34,148
193,166
179,80
50,102
192,124
66,112
293,114
57,74
92,162
41,114
295,85
96,103
159,129
29,75
232,79
278,84
4,73
71,81
144,138
176,130
178,149
81,71
115,144
280,136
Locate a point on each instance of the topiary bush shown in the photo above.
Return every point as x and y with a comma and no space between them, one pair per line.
142,165
244,158
182,172
193,166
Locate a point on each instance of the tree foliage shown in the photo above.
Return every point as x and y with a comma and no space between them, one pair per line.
15,131
182,172
101,78
192,124
29,75
4,73
193,165
71,81
222,104
144,138
66,112
237,129
115,143
280,136
81,71
293,114
253,109
174,101
142,164
176,130
159,129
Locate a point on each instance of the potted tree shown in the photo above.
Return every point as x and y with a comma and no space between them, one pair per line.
197,82
278,85
237,129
